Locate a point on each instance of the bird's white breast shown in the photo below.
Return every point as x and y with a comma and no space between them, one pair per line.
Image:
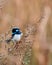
17,37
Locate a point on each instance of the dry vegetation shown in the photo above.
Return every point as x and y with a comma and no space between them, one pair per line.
35,46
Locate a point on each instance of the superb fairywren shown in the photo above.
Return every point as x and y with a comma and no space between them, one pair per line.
16,35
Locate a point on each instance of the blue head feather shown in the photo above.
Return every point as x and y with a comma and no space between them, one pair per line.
16,31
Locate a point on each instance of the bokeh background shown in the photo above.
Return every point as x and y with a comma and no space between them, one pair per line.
27,15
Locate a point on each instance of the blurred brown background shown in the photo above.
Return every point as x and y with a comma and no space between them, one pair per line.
26,14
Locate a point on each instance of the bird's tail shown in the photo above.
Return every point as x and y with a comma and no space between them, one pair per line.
8,40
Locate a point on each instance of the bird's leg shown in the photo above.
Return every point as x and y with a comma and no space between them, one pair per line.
20,41
16,45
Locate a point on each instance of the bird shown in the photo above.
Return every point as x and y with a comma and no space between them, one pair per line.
16,35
